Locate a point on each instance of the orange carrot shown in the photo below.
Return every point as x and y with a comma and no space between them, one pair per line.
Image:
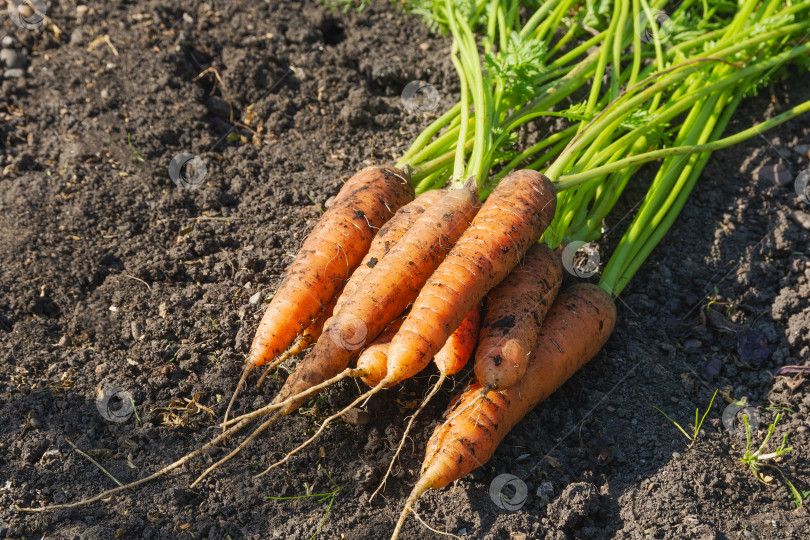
511,220
458,349
575,329
387,237
373,361
332,250
307,338
515,311
452,357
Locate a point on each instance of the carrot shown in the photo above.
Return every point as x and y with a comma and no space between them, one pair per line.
388,235
450,360
371,366
307,338
452,357
513,217
515,311
332,250
392,284
467,442
373,361
458,349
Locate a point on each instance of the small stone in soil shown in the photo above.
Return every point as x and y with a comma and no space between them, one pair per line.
692,345
357,417
12,59
137,331
803,150
801,218
775,172
545,488
255,298
14,74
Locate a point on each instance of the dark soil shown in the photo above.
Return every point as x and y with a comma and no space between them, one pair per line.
112,275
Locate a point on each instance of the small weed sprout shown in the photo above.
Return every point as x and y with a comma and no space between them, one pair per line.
755,459
317,205
137,155
320,496
135,410
698,421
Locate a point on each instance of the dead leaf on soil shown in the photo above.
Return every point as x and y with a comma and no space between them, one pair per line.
718,321
100,453
178,412
407,405
102,40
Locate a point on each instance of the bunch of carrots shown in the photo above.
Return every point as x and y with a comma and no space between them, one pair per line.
452,253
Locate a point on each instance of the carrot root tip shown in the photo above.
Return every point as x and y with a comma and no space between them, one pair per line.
245,372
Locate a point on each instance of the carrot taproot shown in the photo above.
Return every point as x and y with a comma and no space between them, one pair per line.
332,250
515,312
513,217
388,235
384,294
575,329
458,348
450,359
371,366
